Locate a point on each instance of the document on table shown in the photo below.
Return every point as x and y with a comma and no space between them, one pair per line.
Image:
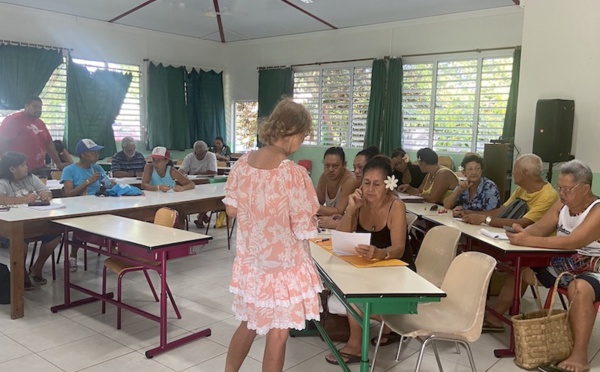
494,235
344,243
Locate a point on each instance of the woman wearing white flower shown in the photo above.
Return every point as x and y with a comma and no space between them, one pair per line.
374,208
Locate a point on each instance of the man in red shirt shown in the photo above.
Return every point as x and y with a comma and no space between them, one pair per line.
25,132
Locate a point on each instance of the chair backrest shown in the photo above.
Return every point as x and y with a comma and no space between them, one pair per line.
56,175
410,220
306,164
447,162
466,284
221,163
436,253
166,217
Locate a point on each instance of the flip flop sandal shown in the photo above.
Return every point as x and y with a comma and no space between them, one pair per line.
348,358
390,338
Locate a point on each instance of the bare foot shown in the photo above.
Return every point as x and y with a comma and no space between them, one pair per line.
575,364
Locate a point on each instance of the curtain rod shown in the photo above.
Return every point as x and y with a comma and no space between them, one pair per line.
461,51
319,63
188,68
20,43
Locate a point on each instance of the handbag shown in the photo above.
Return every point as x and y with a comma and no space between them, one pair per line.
4,285
544,335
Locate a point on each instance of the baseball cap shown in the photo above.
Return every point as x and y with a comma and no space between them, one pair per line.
86,144
161,152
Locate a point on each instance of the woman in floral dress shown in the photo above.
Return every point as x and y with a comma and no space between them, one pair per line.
274,278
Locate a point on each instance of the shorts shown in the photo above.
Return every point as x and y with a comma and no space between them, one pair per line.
546,276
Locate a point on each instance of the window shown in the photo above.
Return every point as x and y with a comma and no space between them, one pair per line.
455,105
246,116
54,96
338,99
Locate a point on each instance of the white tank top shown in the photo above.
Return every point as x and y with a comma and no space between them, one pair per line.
568,223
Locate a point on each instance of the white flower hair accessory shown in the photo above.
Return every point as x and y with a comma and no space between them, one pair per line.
391,183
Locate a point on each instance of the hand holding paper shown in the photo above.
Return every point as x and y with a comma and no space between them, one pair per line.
344,243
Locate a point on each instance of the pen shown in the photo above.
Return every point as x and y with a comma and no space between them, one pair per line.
321,240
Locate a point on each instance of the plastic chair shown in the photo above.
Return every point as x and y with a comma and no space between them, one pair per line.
55,175
437,251
306,164
459,316
164,217
562,292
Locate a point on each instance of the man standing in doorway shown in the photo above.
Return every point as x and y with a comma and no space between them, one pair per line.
25,132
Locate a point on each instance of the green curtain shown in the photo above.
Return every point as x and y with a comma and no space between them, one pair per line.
392,122
93,103
206,106
273,84
167,116
510,119
376,103
24,71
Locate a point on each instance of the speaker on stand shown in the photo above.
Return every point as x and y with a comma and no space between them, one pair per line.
553,133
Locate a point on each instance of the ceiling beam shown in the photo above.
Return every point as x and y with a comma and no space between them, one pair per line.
310,14
132,10
219,21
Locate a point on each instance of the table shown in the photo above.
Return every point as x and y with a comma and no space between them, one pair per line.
23,222
380,290
510,258
143,239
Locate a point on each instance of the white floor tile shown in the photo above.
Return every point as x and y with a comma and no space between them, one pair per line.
29,363
10,349
127,363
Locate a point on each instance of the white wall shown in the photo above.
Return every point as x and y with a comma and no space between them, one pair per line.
561,59
482,29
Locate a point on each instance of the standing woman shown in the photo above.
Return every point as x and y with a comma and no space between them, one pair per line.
274,278
336,183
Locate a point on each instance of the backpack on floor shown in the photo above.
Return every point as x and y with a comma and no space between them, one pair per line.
4,285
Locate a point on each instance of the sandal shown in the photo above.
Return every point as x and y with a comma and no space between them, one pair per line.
348,358
39,280
490,328
28,285
199,224
390,338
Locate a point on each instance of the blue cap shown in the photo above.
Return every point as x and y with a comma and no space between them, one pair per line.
86,144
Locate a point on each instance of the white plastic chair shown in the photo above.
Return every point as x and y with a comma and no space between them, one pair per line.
457,317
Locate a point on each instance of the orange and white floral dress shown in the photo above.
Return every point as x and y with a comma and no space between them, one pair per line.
274,278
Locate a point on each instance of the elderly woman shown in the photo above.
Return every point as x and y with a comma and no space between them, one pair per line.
439,181
374,208
335,184
476,193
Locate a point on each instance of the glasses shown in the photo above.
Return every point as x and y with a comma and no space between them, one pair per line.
566,190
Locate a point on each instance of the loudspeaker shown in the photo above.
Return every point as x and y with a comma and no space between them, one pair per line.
553,129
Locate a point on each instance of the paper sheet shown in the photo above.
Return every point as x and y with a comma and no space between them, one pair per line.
494,235
344,243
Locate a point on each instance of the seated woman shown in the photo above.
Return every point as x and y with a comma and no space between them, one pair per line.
374,208
221,150
360,160
404,171
162,176
476,193
18,186
335,184
439,181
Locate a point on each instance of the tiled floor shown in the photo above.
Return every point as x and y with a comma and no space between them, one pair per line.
83,339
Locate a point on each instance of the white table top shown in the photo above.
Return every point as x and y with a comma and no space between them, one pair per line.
394,281
474,231
89,204
423,209
132,231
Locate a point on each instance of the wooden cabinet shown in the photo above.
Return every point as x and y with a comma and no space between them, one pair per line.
497,166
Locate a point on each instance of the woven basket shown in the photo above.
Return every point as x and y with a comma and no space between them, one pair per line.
542,336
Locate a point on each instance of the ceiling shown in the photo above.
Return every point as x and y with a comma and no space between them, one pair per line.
236,20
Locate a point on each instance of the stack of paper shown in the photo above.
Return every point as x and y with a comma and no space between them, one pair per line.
494,235
586,251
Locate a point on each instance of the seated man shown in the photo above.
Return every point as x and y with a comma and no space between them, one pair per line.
576,220
200,161
538,194
128,162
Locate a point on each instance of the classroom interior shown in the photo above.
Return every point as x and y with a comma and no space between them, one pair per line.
560,55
